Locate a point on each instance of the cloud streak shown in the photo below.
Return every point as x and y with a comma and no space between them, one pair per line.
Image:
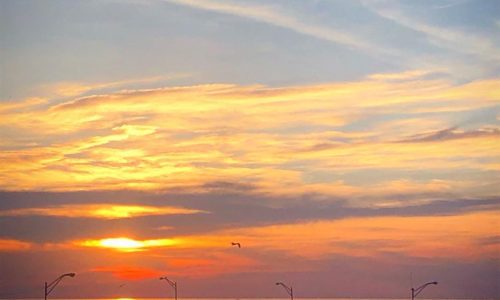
9,245
480,46
453,133
99,211
273,16
129,272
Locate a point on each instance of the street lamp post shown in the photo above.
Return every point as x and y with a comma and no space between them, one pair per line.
289,290
50,287
415,292
173,284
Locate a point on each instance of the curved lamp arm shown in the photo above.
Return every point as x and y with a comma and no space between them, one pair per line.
289,290
422,287
172,283
53,284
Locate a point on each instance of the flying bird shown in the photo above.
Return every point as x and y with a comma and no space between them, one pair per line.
236,244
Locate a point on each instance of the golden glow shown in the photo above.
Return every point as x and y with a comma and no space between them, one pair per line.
121,243
129,272
420,236
9,245
266,141
128,245
101,211
189,137
454,236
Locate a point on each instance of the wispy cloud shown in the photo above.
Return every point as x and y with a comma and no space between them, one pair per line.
453,133
269,139
450,3
99,211
72,88
452,39
129,272
270,15
10,245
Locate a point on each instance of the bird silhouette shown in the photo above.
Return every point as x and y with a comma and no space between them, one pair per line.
236,244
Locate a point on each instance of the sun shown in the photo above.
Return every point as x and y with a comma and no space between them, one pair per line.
125,244
121,243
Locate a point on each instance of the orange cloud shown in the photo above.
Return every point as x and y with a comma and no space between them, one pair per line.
270,139
17,106
73,88
9,245
456,236
129,272
100,211
210,264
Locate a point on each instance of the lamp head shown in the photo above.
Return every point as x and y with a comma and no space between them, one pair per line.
70,274
434,282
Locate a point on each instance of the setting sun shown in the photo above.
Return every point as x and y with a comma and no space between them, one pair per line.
128,245
121,244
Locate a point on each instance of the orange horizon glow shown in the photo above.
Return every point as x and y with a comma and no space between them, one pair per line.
417,236
129,272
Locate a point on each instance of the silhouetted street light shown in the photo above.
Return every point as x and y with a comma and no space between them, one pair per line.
415,292
289,290
50,287
173,284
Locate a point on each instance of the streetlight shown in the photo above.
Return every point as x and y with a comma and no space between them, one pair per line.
173,284
50,287
289,290
415,292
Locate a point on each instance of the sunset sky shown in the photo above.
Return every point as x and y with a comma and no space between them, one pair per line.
351,147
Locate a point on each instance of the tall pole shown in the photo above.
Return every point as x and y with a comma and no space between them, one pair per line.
172,283
412,293
45,290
